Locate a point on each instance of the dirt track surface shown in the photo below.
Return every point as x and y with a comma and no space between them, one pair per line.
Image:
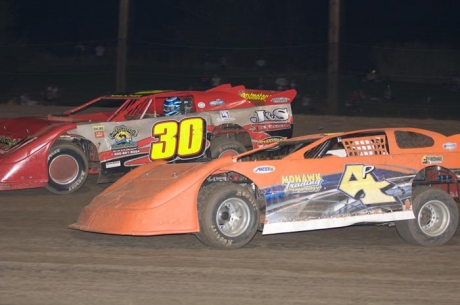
44,262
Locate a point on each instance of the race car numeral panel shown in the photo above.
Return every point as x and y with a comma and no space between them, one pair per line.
184,139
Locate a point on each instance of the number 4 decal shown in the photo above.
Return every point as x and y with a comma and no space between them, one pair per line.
359,182
184,139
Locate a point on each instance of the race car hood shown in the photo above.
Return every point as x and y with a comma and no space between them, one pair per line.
153,184
153,198
135,192
13,131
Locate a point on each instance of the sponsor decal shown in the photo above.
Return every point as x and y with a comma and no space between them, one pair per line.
449,146
302,183
280,100
52,153
217,102
225,116
125,151
359,182
265,169
279,114
123,136
432,159
79,181
254,96
278,126
201,105
270,140
112,164
265,127
98,131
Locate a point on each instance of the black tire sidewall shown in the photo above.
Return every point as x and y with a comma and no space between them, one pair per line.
210,233
218,146
72,150
412,229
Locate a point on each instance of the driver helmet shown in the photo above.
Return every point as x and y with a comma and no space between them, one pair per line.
171,106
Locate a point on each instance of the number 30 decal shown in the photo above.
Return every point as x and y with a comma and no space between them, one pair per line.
184,139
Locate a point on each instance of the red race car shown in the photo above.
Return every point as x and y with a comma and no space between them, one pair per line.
402,176
113,134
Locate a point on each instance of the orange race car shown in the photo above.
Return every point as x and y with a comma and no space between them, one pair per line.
402,176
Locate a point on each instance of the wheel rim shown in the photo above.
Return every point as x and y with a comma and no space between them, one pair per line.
63,169
229,152
233,217
433,218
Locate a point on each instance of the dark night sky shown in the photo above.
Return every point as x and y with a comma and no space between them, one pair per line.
235,23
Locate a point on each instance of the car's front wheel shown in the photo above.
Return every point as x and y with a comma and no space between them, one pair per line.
436,218
67,168
228,215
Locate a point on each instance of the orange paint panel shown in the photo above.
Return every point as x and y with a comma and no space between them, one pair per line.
171,217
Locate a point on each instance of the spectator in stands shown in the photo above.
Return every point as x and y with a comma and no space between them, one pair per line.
205,81
100,52
206,61
51,94
24,99
223,63
281,83
371,76
388,93
215,80
80,51
455,83
357,97
261,83
306,104
261,64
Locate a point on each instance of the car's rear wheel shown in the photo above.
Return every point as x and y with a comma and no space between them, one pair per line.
226,147
67,168
436,218
228,215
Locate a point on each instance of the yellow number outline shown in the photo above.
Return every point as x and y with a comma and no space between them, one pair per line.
183,139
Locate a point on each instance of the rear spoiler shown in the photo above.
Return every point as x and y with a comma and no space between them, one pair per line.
223,87
228,88
268,97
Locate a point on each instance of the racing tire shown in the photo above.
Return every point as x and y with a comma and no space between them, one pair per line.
436,218
67,168
226,147
228,215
